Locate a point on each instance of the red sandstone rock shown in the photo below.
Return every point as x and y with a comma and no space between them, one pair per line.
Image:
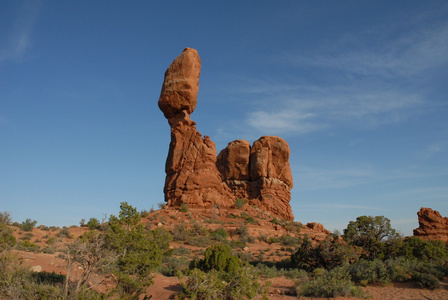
181,84
191,173
195,176
233,161
269,158
317,227
260,174
432,226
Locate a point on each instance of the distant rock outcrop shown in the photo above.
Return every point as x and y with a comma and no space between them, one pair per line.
432,226
196,176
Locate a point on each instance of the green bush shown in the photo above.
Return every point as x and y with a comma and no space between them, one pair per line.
183,207
51,240
172,265
200,241
239,203
26,245
139,253
288,240
244,235
93,223
219,258
180,232
426,280
7,239
181,251
5,218
374,235
64,233
220,234
334,283
242,283
415,247
28,225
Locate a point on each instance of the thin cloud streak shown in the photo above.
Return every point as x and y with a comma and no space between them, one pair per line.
372,86
19,41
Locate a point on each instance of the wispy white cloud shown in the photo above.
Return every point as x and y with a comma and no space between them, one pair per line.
16,44
368,86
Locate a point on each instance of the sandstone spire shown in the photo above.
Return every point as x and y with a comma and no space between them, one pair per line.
196,176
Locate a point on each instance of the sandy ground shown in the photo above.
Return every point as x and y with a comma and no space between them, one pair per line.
281,289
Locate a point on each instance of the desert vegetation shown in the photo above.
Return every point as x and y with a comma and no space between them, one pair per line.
213,257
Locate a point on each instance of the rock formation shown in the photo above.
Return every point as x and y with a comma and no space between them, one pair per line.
191,173
196,176
260,174
432,226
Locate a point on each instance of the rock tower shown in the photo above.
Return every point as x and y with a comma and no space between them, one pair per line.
196,176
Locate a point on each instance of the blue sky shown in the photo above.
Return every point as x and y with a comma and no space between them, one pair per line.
357,88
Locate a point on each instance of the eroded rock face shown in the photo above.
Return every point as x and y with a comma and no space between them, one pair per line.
191,173
432,225
260,174
196,176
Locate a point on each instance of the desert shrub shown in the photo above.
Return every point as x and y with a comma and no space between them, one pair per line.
64,233
263,238
200,241
27,236
250,220
294,227
138,252
181,251
334,283
244,236
273,240
161,205
235,244
51,240
217,257
183,207
28,225
163,238
27,245
17,224
172,265
144,213
93,223
288,240
374,235
5,218
7,239
242,283
268,271
18,282
197,230
239,203
220,234
245,256
49,249
369,272
426,280
180,232
414,247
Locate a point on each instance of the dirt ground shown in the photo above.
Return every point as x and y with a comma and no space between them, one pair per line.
168,287
281,289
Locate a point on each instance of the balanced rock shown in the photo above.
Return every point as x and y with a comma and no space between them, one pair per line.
196,176
181,85
432,226
191,173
